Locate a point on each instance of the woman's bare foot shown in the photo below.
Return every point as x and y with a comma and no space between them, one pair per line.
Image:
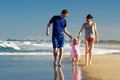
86,64
89,64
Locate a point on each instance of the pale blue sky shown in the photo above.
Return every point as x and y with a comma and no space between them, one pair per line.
28,18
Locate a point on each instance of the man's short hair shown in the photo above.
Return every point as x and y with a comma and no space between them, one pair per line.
64,11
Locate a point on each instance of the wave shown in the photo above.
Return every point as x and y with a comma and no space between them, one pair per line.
42,48
95,52
29,42
26,53
8,46
109,41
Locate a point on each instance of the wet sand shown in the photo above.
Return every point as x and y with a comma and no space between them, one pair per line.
104,67
37,68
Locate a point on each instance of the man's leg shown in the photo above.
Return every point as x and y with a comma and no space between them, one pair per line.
61,45
60,55
55,52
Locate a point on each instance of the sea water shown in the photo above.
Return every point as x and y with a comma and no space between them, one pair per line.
45,48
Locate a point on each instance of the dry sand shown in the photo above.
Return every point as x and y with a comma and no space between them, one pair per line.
104,67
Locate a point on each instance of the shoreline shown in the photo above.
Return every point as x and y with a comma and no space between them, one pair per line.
37,68
104,67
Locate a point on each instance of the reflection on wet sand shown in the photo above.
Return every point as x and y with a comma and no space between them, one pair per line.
76,73
58,73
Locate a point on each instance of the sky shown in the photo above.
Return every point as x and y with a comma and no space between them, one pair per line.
27,19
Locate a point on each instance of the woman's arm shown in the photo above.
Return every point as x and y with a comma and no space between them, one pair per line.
80,33
96,33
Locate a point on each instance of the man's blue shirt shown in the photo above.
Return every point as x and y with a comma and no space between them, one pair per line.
59,24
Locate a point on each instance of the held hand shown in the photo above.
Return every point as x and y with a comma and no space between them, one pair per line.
78,37
70,36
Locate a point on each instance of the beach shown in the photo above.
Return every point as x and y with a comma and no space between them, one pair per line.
26,67
33,60
37,67
104,67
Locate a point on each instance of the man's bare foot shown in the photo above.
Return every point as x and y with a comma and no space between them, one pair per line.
55,67
55,63
59,64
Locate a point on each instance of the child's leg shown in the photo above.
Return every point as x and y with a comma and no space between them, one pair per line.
72,61
77,60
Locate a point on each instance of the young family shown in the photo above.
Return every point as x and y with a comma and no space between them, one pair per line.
59,28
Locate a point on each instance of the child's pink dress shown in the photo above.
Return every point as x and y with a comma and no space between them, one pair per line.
75,52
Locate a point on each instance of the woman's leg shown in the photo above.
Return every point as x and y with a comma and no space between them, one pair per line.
90,51
86,52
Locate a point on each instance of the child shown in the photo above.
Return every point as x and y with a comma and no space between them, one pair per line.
75,53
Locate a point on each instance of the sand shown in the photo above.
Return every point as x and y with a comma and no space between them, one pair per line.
104,67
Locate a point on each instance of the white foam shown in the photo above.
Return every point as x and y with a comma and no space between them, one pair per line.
7,44
25,53
38,48
27,43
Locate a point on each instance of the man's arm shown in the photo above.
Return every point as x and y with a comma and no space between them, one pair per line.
67,33
48,26
48,29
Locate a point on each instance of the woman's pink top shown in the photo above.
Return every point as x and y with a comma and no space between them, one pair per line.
75,52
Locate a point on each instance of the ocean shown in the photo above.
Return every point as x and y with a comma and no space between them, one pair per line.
45,48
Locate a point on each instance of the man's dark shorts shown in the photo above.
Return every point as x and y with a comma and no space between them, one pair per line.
58,41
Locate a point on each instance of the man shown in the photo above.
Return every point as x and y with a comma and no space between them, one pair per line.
59,28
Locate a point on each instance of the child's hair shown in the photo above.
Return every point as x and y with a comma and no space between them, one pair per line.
89,16
74,39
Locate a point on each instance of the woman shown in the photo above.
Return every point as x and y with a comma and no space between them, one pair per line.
91,35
